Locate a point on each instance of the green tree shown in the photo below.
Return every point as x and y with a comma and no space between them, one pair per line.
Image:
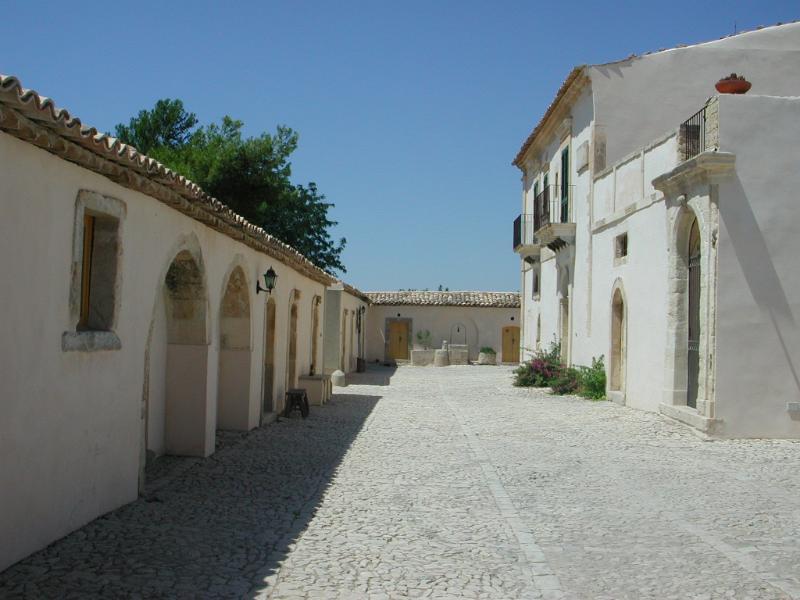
168,125
252,175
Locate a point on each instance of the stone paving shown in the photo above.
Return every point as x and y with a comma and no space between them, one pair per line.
448,483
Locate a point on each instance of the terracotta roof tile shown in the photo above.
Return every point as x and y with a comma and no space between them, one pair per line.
34,118
419,298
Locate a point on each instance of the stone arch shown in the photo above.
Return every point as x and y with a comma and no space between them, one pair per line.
618,347
564,328
687,368
233,391
175,360
291,362
315,304
458,334
343,342
186,430
268,386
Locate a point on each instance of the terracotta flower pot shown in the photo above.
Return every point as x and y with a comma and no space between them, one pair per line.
733,85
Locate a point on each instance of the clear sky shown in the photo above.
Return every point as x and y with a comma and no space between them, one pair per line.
409,113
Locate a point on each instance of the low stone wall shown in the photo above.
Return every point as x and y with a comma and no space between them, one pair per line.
458,354
421,358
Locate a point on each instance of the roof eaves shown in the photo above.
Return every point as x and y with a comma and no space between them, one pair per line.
562,91
35,119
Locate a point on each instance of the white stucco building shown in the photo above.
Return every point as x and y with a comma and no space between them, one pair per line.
133,327
345,327
474,319
657,230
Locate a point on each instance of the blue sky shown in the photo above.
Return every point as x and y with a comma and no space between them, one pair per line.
409,113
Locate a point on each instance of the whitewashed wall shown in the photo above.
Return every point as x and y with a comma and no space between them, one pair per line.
71,431
638,99
758,297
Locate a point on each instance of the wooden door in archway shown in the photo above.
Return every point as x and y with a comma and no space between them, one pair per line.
511,344
398,340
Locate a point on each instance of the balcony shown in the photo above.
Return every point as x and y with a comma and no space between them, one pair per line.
524,239
553,223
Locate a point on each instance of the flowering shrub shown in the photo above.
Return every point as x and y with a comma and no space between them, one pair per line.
546,370
541,370
567,382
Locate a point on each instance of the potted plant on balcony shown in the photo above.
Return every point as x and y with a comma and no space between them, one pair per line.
487,356
733,84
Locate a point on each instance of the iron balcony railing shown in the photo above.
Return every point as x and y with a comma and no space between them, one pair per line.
693,135
551,206
523,231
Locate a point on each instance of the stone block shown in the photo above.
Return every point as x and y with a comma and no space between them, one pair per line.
422,358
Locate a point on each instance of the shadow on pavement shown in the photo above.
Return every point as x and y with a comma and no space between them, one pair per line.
375,374
206,528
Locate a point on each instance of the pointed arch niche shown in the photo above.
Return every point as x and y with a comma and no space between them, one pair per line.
233,393
179,423
618,347
268,391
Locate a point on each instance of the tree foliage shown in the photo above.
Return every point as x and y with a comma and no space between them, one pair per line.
252,175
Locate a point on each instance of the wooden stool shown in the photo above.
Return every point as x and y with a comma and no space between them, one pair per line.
296,398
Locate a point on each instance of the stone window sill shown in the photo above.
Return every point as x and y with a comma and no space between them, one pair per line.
89,341
620,260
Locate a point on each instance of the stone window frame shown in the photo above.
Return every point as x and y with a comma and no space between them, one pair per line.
75,339
536,282
621,244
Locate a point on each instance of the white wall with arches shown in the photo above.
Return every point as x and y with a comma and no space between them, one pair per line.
85,410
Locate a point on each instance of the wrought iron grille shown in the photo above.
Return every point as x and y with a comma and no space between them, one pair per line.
693,135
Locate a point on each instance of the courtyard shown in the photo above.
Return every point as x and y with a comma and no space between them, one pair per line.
447,483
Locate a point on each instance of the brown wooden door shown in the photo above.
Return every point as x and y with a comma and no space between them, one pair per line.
398,340
511,344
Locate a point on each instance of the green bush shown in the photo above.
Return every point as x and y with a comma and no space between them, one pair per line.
488,350
567,381
593,380
424,339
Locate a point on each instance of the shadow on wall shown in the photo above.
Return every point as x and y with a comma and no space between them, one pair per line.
213,527
759,271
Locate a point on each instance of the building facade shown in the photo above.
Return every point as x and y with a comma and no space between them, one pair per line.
398,322
644,237
134,328
345,327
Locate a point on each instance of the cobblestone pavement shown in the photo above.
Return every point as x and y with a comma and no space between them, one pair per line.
448,483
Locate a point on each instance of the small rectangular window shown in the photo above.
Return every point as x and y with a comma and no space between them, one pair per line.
98,272
621,246
535,283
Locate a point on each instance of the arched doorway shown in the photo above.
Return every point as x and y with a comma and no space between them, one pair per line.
538,332
343,342
618,342
693,255
185,415
315,302
291,364
267,398
233,393
510,344
564,315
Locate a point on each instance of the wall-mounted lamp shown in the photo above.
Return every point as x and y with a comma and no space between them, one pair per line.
270,277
